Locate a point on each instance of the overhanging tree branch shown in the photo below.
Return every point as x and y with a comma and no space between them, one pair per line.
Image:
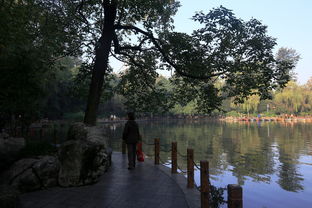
79,10
134,62
163,53
119,48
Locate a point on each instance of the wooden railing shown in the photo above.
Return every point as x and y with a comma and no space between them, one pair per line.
235,192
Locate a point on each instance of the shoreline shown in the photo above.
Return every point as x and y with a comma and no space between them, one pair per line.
269,119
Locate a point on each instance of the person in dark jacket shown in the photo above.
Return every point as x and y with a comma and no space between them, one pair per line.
131,136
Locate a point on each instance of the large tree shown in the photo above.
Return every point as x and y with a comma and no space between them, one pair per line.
140,34
34,36
291,56
125,28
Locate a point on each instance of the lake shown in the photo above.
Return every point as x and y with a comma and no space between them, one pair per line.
271,161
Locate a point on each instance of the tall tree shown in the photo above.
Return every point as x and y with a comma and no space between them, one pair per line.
34,34
227,48
122,20
291,56
140,33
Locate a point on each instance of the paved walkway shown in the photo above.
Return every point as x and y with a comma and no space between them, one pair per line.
147,186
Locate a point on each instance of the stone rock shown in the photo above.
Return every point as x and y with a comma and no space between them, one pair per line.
47,169
84,157
33,173
9,150
8,197
26,181
77,131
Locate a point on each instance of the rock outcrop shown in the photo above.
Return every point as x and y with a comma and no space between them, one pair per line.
33,173
81,160
84,157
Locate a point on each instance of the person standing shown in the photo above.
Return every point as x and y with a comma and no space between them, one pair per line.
131,136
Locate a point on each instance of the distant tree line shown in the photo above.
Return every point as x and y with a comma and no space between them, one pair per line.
293,99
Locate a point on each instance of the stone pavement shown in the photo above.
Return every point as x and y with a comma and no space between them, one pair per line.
148,185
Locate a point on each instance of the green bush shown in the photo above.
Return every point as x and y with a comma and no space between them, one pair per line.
268,114
305,114
233,114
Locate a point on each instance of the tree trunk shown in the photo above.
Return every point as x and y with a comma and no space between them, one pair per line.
100,67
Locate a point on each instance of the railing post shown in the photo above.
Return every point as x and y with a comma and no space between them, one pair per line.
190,168
235,196
174,157
204,184
123,147
157,149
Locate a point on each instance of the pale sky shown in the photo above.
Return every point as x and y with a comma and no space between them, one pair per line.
290,21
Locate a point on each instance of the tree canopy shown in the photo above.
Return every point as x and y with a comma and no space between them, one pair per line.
225,57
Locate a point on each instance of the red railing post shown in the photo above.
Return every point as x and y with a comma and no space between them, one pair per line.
157,149
235,196
190,168
174,157
204,184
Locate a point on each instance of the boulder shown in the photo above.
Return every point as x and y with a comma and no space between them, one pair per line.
84,157
32,174
47,169
77,131
10,148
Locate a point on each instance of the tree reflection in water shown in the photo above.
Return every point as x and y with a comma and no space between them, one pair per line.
263,153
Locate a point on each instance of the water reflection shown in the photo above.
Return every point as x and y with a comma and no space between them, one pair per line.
265,158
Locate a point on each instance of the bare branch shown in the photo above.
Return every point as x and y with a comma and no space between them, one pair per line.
119,48
79,10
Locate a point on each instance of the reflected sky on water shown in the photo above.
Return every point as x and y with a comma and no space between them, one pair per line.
272,161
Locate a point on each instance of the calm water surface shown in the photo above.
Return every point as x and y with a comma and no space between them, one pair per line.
271,161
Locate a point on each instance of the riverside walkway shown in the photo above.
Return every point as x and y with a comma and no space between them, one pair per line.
148,185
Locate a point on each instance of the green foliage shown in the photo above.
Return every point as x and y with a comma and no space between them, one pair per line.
291,56
189,109
268,114
238,52
250,104
216,196
233,114
293,99
145,92
226,57
59,98
32,39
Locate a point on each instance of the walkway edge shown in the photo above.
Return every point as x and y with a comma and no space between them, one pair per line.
192,196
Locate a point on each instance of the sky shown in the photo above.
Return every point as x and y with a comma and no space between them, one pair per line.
289,21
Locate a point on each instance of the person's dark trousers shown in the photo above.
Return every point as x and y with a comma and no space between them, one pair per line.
131,154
